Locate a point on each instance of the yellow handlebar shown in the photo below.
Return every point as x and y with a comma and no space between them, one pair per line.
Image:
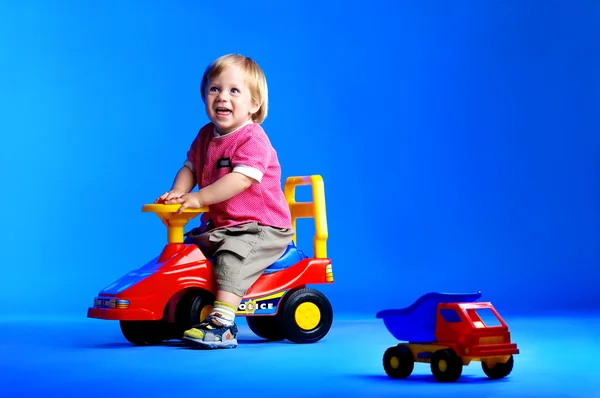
174,222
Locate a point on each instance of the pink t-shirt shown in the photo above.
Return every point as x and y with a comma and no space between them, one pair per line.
249,151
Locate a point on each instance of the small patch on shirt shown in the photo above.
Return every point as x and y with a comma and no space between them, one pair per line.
224,163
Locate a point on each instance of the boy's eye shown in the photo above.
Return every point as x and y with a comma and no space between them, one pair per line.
213,89
235,90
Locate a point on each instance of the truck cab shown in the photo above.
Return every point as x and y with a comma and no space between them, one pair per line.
473,330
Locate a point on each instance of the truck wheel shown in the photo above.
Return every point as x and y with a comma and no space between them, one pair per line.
144,332
267,327
499,370
306,316
398,362
446,366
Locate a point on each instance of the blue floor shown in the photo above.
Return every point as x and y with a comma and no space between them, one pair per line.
82,357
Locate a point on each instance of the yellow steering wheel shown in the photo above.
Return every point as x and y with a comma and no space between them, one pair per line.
174,222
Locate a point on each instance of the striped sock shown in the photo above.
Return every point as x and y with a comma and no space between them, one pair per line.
224,312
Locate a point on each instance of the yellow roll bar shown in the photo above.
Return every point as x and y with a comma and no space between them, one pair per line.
315,209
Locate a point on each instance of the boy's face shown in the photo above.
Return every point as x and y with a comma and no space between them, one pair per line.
228,100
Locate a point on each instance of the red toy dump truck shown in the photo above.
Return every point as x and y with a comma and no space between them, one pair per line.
448,330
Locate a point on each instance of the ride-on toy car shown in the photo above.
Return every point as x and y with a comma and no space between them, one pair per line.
448,331
175,290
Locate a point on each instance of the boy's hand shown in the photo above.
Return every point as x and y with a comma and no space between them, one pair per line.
173,194
187,201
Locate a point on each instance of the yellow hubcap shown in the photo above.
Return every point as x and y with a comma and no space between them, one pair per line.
394,362
205,312
307,316
443,365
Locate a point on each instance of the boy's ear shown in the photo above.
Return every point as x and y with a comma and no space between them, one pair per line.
255,107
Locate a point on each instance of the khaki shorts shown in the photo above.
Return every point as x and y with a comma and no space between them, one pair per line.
241,253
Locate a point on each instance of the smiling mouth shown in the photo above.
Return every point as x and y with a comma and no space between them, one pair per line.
222,111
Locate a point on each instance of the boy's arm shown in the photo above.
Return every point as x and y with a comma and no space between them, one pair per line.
184,182
221,190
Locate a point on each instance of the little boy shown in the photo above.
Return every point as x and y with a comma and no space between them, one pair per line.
239,177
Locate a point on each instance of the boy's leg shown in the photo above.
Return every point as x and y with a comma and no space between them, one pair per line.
239,261
218,330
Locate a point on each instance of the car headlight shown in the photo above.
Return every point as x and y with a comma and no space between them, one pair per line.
101,302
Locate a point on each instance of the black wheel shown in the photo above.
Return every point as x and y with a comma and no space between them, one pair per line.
191,309
306,316
499,370
398,362
145,332
267,327
446,366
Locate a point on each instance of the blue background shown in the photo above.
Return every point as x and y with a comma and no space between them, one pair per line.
458,140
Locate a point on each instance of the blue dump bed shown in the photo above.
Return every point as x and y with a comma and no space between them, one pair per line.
416,323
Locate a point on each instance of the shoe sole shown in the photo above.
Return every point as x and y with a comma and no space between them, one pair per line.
210,344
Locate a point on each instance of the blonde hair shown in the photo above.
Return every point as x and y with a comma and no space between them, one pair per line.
255,79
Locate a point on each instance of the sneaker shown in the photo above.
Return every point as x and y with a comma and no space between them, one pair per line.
212,333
